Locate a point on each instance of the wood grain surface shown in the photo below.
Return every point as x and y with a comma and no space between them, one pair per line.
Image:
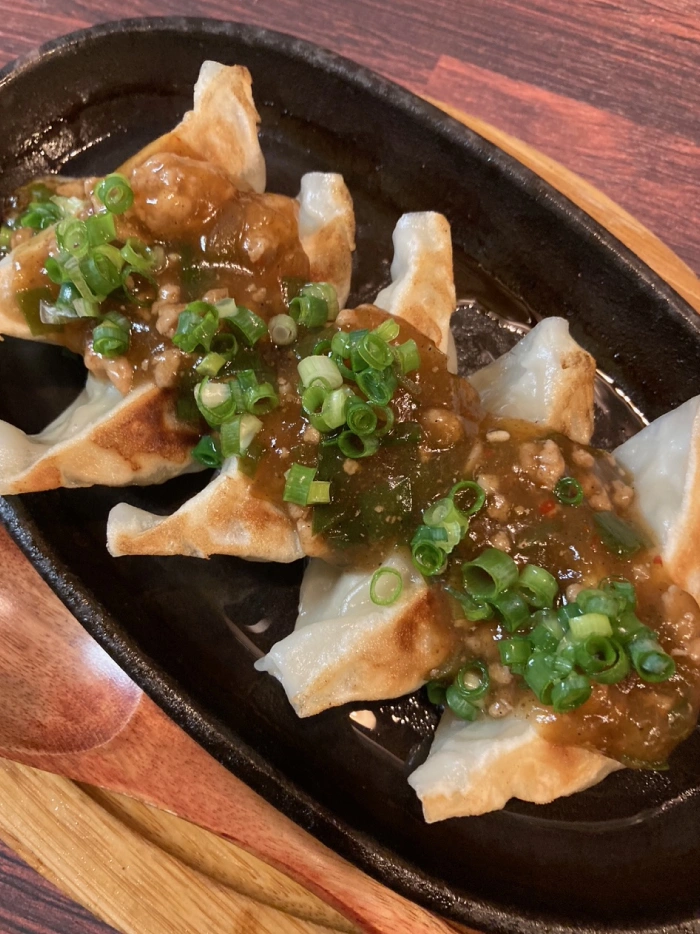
610,90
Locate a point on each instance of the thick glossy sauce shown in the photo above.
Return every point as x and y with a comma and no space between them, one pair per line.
219,241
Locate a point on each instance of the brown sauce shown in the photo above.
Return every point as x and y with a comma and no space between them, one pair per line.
244,245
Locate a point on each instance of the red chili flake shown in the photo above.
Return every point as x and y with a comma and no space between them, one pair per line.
488,452
658,559
549,505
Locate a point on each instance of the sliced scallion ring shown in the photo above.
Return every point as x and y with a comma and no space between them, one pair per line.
386,586
569,491
314,368
115,193
492,572
283,330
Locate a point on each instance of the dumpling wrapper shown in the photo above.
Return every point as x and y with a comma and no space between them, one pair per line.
547,379
346,648
288,662
222,128
477,767
422,288
472,768
327,229
225,518
136,439
664,460
102,437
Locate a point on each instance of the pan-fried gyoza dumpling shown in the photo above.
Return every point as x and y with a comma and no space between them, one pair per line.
126,435
477,767
222,129
547,379
327,230
102,437
311,660
422,288
225,517
664,460
344,647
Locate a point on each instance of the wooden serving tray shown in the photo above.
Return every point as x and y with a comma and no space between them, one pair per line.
191,849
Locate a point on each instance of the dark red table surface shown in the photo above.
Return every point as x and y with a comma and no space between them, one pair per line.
609,88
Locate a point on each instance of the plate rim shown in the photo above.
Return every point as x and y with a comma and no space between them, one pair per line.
380,862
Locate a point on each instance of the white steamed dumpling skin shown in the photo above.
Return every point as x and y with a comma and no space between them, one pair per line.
664,460
547,379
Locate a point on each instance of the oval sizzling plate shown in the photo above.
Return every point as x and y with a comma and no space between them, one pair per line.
624,855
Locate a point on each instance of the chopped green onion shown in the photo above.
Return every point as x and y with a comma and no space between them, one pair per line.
237,434
40,215
567,612
101,229
428,555
85,309
617,535
474,610
538,586
628,625
357,446
115,193
541,676
483,681
492,572
460,705
140,287
319,493
510,608
589,624
333,410
385,587
388,330
651,663
69,207
319,368
340,344
297,487
207,452
476,494
261,399
312,400
5,237
196,326
617,670
385,419
549,620
377,385
315,304
283,330
72,236
216,401
621,588
211,364
408,356
445,513
309,311
110,338
361,417
100,273
569,491
111,253
375,351
592,600
595,653
250,325
436,693
514,651
570,693
542,639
